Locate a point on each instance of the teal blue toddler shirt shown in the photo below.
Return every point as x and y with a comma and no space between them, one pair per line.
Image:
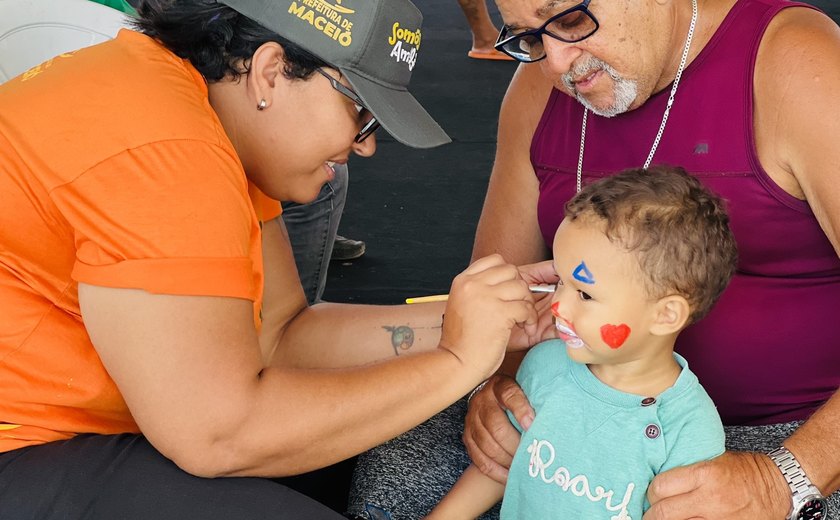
592,450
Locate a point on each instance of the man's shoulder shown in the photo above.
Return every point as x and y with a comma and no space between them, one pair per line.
799,29
797,71
526,97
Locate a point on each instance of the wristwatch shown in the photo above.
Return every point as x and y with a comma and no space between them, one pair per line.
808,502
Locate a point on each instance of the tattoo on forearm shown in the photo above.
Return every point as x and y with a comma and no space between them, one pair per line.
402,338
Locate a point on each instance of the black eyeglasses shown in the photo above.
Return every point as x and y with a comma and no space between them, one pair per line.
368,127
570,26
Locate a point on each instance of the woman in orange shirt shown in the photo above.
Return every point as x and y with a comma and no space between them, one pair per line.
153,332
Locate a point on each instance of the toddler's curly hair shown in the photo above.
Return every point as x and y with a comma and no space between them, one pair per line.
677,228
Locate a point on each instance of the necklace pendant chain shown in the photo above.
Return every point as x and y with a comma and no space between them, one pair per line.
676,83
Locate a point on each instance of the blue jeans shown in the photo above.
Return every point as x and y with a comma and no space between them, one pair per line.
312,229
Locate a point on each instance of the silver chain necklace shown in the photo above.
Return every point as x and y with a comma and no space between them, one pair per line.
667,108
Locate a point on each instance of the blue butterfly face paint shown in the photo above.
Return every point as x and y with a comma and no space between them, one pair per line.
583,274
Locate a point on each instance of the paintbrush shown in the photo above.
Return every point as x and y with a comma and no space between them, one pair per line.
444,297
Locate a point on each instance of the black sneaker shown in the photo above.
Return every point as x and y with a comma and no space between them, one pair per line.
347,248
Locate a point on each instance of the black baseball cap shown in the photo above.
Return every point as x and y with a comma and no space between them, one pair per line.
373,43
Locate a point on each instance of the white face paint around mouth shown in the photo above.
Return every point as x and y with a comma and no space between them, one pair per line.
568,335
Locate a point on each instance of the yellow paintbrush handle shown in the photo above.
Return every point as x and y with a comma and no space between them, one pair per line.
444,297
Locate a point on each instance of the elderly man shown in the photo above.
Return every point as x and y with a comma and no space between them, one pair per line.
743,93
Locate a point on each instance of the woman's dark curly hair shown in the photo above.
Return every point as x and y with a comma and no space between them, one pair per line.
218,41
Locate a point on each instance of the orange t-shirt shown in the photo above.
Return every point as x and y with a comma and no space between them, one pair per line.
114,171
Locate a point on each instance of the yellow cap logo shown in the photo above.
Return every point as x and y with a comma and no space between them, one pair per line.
328,18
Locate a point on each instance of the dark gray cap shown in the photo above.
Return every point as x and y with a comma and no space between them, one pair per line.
374,43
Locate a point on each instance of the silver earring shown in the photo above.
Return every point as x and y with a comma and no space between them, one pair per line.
262,105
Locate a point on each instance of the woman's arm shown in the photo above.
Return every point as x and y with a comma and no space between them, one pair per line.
367,332
195,379
330,335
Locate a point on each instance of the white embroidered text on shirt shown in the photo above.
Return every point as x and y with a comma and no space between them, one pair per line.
542,456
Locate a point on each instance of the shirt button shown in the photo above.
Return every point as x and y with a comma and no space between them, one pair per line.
652,431
647,401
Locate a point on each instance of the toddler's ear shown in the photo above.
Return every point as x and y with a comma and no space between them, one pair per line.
672,314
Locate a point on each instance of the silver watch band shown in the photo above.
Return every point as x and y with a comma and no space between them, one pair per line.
806,500
799,483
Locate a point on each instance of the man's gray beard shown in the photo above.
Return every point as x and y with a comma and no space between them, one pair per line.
625,90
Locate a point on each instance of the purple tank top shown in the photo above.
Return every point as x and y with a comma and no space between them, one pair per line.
768,351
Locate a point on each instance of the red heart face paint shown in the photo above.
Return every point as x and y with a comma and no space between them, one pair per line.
554,309
615,335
